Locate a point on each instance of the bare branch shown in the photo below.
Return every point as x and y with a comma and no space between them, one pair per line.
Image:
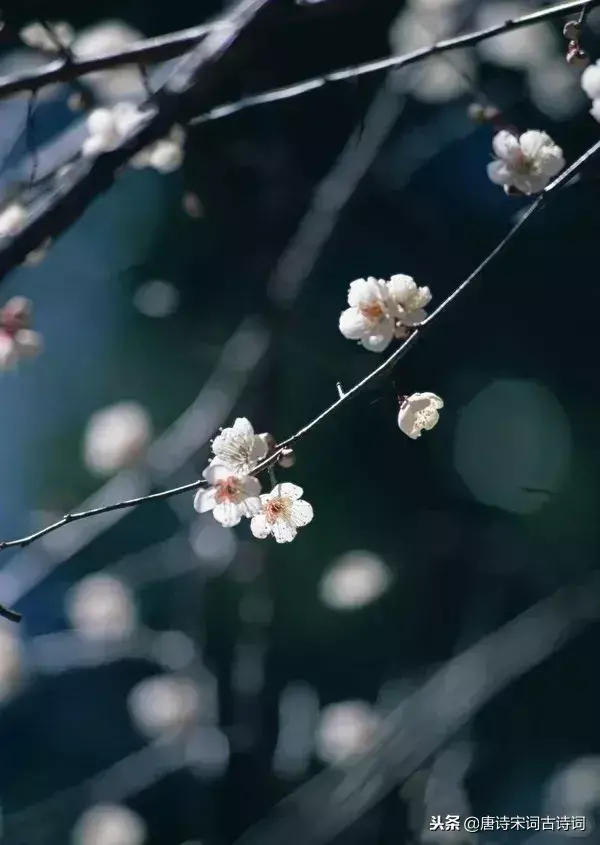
165,47
150,50
552,189
458,42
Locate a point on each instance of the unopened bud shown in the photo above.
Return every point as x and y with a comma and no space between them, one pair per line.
479,113
287,458
572,30
577,57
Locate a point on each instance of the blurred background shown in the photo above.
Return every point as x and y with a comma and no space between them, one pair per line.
172,681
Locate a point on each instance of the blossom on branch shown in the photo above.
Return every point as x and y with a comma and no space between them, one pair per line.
17,340
230,496
239,448
526,163
283,511
107,128
590,82
410,301
419,412
380,310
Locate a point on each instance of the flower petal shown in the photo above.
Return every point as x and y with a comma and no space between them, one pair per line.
250,506
283,531
250,486
205,500
286,491
506,146
260,527
401,288
498,172
353,325
29,343
379,340
242,426
590,81
216,471
227,513
301,513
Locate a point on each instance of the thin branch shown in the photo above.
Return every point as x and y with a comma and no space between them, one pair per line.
470,39
148,51
552,189
165,47
197,76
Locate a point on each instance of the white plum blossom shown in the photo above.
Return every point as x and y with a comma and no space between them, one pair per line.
12,220
410,301
419,412
590,82
239,448
527,162
165,155
17,340
370,317
107,127
230,496
37,36
283,511
109,36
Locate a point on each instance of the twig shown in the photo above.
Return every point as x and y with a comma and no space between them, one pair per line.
552,189
458,42
171,104
162,48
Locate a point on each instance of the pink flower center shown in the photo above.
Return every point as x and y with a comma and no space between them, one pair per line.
227,490
277,509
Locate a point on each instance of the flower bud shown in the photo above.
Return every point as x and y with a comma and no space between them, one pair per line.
572,30
576,56
287,458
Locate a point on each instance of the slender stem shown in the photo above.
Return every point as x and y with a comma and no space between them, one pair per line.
162,48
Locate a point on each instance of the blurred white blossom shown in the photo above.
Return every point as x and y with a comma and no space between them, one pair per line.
12,220
554,88
230,496
354,580
101,608
283,511
419,412
527,162
116,437
345,729
164,703
370,317
590,82
107,127
109,824
36,36
109,37
516,48
17,340
156,298
239,448
165,155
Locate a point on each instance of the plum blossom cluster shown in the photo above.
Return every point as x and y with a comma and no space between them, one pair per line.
234,492
526,163
17,340
108,127
383,310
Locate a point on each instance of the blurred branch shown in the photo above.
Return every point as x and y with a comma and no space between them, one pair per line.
459,42
195,79
551,190
423,723
170,46
150,50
